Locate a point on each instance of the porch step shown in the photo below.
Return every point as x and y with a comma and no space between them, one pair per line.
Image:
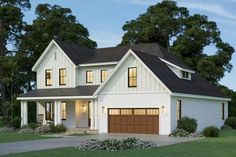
81,131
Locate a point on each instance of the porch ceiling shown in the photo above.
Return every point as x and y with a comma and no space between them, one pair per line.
80,91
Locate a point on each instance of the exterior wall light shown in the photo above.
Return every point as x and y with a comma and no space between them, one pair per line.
163,109
103,109
83,108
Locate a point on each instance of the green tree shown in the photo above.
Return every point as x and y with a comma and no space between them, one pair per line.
51,22
11,26
167,23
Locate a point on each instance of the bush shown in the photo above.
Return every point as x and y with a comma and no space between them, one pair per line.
114,144
44,129
16,122
58,128
33,125
187,124
211,131
179,133
7,129
26,131
226,127
231,121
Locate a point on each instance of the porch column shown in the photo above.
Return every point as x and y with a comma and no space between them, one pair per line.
91,110
24,113
95,114
57,112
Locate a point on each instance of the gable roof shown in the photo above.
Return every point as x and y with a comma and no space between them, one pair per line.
196,86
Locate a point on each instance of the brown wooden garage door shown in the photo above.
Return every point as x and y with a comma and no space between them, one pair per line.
143,121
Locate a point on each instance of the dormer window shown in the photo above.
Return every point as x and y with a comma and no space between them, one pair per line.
185,75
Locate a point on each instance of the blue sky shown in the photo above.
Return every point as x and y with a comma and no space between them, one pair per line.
105,18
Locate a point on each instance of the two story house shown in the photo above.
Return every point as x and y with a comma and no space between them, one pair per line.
127,89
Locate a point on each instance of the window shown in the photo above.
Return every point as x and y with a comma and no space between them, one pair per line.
139,112
178,109
114,111
48,77
223,111
104,75
185,74
63,111
132,77
152,111
62,76
126,112
89,76
48,111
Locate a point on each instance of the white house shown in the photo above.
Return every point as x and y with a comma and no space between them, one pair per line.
127,89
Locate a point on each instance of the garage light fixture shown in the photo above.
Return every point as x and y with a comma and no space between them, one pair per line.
83,108
163,110
103,109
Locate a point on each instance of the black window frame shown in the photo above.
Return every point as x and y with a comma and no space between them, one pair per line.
87,71
103,79
46,112
46,77
178,110
64,111
185,74
132,77
60,77
223,111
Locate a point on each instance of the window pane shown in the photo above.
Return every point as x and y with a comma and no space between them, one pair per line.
178,109
114,111
126,111
48,75
139,112
152,112
48,111
62,76
132,77
63,111
104,75
89,76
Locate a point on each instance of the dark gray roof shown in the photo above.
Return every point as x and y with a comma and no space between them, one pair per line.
80,54
55,92
197,85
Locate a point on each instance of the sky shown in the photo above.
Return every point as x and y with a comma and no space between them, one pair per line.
104,20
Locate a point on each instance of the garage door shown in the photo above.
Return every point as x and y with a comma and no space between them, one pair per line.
143,121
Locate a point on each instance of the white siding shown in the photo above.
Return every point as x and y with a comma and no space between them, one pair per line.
206,112
81,74
61,61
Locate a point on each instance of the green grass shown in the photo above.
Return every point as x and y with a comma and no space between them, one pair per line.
224,146
13,137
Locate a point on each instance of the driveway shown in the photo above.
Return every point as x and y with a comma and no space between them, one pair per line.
27,146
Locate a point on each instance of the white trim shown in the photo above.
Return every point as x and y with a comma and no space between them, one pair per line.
97,64
126,93
129,52
56,98
199,96
180,68
46,51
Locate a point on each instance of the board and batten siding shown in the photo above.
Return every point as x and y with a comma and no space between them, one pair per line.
81,74
55,63
149,93
207,112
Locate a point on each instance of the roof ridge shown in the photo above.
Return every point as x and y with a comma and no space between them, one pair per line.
128,45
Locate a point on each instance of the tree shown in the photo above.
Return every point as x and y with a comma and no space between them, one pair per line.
52,22
167,23
11,25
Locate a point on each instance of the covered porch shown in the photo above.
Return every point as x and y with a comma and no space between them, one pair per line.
73,107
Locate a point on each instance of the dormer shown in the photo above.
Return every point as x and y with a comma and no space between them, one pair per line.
182,73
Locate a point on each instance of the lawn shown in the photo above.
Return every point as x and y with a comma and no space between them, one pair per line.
13,137
224,146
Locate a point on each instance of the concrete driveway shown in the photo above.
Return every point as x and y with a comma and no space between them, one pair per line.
70,141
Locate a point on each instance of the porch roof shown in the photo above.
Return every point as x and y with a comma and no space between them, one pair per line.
53,93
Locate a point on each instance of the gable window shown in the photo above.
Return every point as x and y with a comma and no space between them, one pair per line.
48,77
89,76
62,76
104,75
178,109
185,74
48,111
132,77
223,111
63,111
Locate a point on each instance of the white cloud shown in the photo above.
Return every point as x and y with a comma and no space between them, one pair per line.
106,38
212,8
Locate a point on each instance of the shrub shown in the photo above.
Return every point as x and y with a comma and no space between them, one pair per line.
211,131
7,129
33,125
179,133
16,122
44,129
114,144
58,128
187,124
226,127
26,131
196,134
231,121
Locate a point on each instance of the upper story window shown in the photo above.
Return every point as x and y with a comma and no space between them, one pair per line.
89,76
132,77
185,74
48,77
62,76
178,109
104,75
